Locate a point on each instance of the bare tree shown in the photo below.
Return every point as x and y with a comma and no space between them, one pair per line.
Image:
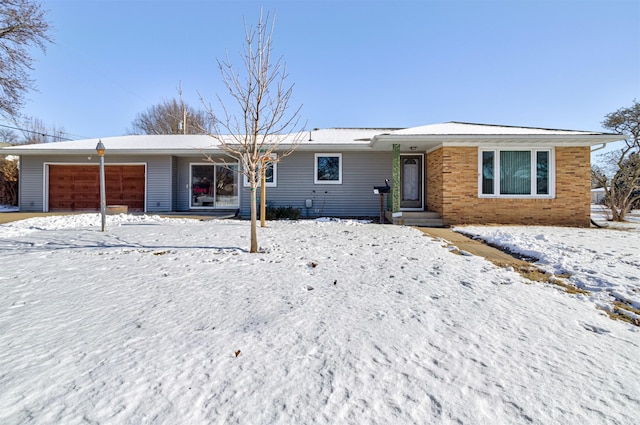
8,136
620,173
22,27
8,181
172,117
35,131
261,122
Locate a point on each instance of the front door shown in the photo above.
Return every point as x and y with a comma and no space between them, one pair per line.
411,190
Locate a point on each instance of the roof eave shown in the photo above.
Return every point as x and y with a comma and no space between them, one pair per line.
484,139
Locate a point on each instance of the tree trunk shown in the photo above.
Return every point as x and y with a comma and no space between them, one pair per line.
254,224
263,196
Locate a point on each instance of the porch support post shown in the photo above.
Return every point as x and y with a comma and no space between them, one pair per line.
395,188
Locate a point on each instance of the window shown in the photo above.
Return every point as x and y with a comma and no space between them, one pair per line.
328,168
214,186
515,173
271,174
542,172
487,167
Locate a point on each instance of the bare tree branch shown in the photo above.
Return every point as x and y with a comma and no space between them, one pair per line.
168,117
261,122
620,176
22,26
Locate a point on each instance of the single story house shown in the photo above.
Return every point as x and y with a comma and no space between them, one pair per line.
597,195
453,172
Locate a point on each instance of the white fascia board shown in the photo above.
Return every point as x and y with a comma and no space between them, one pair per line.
331,147
185,152
119,152
483,140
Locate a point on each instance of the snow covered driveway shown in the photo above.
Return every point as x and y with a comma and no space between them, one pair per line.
336,322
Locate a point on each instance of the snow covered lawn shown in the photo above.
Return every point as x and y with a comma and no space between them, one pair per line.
171,321
605,262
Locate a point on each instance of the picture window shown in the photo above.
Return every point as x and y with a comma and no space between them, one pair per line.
328,168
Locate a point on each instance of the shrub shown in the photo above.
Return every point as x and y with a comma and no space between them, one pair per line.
282,213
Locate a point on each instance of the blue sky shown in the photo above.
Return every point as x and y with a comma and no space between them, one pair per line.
556,64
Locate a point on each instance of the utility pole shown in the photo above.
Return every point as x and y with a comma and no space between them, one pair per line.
184,109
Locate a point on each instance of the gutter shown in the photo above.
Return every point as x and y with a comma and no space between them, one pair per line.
604,145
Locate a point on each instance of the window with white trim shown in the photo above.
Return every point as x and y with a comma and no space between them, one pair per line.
516,173
271,177
327,168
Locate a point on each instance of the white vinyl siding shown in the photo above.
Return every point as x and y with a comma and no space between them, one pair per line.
353,198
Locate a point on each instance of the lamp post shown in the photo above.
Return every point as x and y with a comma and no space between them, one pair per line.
103,197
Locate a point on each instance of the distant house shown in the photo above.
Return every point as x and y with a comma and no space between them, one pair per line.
597,195
453,172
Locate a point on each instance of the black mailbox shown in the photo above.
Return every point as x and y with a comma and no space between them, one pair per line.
382,189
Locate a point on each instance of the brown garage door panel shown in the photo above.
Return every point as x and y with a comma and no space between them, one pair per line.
61,206
83,187
86,178
77,187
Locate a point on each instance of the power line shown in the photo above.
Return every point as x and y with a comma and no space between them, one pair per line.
35,132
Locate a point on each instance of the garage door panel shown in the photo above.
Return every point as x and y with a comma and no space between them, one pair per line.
83,187
84,206
87,197
87,177
113,172
59,189
61,179
61,205
112,187
77,187
64,197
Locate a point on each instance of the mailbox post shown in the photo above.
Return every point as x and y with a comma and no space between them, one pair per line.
381,190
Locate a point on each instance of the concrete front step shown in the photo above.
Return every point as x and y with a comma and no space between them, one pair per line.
416,218
420,223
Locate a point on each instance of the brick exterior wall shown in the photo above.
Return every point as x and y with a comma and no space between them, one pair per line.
452,191
434,187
